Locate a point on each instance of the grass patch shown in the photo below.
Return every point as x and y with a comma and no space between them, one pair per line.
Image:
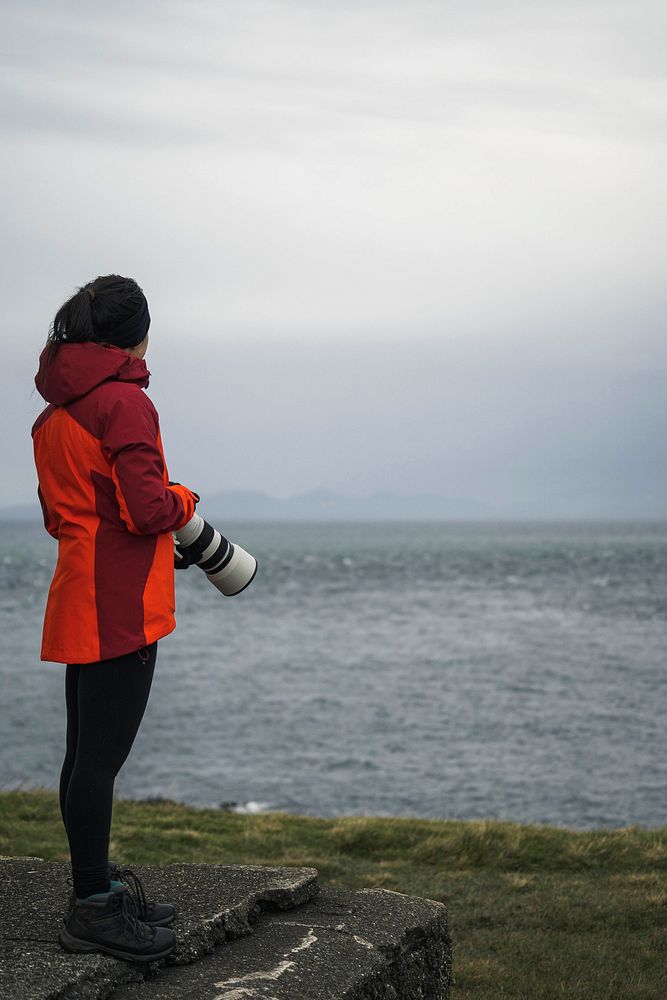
536,912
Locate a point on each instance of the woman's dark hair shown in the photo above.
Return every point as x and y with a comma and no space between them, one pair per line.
109,309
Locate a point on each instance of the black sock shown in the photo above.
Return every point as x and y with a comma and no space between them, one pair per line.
88,881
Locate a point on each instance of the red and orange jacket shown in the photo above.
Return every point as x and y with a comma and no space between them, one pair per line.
106,497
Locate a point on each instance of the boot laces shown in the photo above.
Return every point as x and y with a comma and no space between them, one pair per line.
140,904
132,926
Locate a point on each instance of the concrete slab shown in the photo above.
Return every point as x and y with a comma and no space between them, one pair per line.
215,903
367,944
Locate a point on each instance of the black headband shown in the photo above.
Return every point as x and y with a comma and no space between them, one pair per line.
133,330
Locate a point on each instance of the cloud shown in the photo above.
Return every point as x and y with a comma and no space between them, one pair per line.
221,72
482,178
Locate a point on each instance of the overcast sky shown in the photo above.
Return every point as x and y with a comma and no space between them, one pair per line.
399,246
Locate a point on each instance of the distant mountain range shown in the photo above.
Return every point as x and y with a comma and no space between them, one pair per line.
325,505
316,505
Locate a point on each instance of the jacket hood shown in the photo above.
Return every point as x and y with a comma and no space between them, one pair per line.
78,368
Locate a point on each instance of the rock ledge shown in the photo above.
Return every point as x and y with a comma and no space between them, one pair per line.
282,936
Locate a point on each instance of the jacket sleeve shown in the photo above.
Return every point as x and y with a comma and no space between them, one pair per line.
131,439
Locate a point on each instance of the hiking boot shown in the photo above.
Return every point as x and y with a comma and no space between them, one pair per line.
107,922
155,914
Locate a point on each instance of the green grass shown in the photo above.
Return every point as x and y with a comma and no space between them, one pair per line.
535,912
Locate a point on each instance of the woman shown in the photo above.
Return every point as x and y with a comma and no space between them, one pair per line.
106,496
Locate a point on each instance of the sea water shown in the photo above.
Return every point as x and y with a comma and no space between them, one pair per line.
507,670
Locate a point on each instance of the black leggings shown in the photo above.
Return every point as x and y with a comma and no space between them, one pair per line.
105,705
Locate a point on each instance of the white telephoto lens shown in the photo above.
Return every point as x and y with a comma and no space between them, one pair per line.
237,574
